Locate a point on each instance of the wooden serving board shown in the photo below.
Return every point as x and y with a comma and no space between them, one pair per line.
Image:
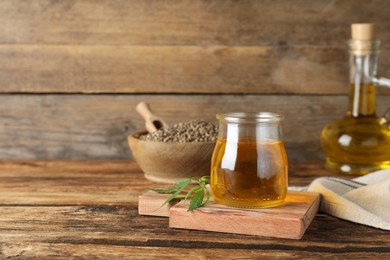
287,221
150,203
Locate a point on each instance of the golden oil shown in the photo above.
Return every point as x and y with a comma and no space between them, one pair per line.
358,144
249,173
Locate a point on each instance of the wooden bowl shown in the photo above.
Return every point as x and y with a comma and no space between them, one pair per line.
169,162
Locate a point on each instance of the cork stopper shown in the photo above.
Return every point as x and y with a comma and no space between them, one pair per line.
363,31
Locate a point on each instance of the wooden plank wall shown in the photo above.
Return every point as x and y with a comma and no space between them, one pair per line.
71,72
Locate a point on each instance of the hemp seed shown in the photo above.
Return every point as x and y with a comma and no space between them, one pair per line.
192,131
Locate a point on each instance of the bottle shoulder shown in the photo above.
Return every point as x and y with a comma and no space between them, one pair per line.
357,131
353,124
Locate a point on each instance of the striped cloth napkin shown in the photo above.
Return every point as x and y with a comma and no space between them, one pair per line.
364,200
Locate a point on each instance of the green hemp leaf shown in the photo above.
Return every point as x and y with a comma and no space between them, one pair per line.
198,191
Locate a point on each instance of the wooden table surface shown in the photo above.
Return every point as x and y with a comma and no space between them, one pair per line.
70,209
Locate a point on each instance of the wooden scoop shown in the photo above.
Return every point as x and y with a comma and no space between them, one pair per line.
152,122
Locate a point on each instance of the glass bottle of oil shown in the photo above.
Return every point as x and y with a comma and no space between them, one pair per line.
359,143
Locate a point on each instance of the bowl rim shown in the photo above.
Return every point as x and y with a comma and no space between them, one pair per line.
132,136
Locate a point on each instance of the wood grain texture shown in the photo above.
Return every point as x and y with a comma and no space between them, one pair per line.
174,69
186,22
162,48
96,186
115,229
287,221
182,46
81,127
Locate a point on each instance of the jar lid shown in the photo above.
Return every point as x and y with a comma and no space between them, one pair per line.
241,117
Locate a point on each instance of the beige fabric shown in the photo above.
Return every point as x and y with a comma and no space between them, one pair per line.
364,200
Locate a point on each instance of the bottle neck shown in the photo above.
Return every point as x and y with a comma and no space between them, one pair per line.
363,64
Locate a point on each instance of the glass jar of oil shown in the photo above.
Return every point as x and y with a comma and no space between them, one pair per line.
359,143
249,163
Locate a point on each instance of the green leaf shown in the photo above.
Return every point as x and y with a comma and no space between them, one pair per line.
177,192
194,189
198,191
204,179
196,200
184,181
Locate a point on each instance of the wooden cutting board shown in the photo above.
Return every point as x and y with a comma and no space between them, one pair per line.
150,203
287,221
